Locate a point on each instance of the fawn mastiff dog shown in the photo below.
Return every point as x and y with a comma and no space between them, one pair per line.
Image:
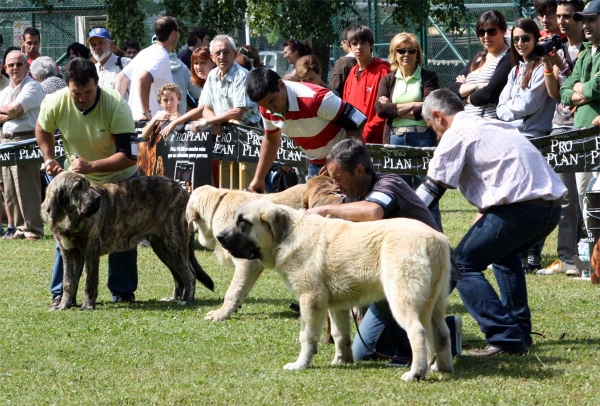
90,220
333,264
208,212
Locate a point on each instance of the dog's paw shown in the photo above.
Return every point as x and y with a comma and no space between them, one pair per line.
294,366
436,368
217,315
411,376
342,359
88,306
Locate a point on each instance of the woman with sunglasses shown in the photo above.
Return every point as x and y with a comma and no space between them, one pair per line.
524,101
480,83
400,98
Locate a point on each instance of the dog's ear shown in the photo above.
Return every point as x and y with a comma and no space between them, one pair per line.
89,203
278,222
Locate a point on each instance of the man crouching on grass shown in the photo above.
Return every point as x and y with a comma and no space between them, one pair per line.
518,196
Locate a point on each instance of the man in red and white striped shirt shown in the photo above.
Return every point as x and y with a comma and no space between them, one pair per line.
518,197
306,113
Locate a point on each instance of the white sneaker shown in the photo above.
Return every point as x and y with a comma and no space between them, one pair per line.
559,266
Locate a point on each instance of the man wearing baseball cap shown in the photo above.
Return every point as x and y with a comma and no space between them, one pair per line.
108,64
582,88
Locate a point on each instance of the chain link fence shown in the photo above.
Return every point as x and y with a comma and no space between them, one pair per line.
446,51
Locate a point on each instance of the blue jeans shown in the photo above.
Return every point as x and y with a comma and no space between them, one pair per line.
497,238
381,333
122,270
416,139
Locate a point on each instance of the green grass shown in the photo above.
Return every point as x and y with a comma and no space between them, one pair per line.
154,352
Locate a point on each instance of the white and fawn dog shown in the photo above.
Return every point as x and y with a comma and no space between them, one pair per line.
333,264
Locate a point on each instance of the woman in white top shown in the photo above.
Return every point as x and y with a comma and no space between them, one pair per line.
525,102
480,83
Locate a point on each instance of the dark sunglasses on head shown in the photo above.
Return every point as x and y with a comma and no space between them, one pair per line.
17,64
410,51
490,31
524,39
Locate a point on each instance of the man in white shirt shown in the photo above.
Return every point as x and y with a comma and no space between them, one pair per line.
518,197
108,64
150,70
19,108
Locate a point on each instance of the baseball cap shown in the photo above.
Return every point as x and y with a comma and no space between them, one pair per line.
592,10
99,32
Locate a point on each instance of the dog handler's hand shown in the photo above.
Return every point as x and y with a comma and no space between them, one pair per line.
257,186
52,167
316,210
323,171
81,166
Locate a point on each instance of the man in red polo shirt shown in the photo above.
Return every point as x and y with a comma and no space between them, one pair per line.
311,115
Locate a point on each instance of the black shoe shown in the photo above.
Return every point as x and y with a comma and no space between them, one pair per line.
124,298
295,307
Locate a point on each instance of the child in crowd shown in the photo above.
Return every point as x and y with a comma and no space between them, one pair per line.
308,69
169,96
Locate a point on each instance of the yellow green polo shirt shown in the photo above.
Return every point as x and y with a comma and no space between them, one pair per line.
406,92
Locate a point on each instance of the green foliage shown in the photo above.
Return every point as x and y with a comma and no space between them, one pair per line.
218,16
125,20
408,12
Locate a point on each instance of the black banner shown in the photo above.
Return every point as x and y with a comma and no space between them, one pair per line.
184,156
572,151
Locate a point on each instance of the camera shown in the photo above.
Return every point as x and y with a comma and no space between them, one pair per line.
544,47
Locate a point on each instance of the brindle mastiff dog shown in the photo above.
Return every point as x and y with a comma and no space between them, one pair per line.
90,220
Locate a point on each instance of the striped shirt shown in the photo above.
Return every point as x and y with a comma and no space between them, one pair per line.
492,163
483,76
309,120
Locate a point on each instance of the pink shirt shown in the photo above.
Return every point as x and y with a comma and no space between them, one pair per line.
492,163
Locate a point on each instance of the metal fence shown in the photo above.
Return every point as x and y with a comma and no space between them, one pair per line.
446,51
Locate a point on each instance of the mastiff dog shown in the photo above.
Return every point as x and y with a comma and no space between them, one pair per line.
333,264
89,220
209,211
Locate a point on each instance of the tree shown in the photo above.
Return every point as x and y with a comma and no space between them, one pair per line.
125,20
312,20
218,16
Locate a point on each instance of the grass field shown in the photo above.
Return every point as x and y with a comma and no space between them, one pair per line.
153,352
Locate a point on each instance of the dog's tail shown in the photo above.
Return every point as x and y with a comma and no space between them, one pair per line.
200,274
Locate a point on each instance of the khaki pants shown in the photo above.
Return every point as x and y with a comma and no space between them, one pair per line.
22,188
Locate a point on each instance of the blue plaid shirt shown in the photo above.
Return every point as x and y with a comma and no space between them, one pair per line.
229,93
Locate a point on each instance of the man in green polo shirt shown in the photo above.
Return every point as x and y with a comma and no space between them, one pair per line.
100,143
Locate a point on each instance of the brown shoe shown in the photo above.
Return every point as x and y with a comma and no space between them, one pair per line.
15,236
491,350
55,302
33,238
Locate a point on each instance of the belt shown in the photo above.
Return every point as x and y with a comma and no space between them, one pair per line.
17,134
544,203
411,129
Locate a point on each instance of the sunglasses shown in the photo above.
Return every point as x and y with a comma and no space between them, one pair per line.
16,64
403,51
490,31
524,39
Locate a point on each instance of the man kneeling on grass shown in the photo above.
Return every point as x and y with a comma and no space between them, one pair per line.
370,196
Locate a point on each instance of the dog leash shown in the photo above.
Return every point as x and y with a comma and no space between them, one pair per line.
406,360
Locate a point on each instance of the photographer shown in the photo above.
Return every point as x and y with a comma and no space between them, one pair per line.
558,66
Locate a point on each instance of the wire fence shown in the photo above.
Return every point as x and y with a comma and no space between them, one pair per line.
446,51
